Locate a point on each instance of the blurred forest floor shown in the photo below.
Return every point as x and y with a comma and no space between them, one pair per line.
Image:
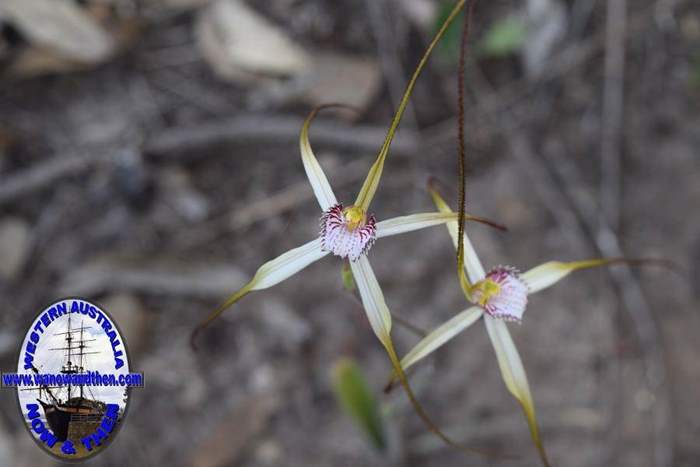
149,161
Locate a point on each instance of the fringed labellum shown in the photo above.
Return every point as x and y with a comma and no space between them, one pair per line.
502,294
348,233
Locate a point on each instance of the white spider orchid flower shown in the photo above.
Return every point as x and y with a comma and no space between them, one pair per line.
349,232
346,232
498,295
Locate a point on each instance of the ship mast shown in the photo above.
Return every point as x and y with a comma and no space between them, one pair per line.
82,347
70,368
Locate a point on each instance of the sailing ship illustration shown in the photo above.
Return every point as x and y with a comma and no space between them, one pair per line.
71,411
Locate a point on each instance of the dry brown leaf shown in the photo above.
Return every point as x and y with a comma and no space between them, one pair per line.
240,44
60,26
342,78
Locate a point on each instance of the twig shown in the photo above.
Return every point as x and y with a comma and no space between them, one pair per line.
420,332
518,95
581,13
664,11
609,196
611,121
173,81
211,281
384,35
265,208
45,174
183,142
186,143
607,243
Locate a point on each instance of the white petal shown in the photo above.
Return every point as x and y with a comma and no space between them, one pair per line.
475,270
271,273
508,359
548,274
472,263
514,375
403,224
441,335
286,265
319,182
372,298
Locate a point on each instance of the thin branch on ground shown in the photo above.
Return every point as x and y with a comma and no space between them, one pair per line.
253,211
186,142
387,47
611,119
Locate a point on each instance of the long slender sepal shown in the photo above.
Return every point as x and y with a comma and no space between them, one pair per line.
514,376
547,274
314,172
403,224
437,338
372,297
369,187
475,271
441,335
271,273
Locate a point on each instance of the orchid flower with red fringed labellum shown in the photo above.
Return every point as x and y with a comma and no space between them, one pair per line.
499,295
349,232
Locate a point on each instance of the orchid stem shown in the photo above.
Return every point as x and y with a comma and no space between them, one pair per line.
463,280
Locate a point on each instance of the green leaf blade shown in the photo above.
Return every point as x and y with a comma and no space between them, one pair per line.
358,401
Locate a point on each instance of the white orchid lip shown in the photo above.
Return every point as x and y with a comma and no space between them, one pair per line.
502,294
348,233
